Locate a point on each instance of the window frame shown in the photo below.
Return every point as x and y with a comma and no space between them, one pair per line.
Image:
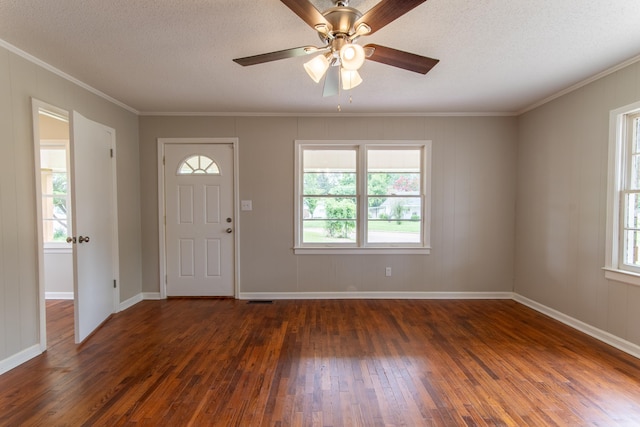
361,246
619,172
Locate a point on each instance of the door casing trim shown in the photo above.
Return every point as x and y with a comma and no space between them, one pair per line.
161,209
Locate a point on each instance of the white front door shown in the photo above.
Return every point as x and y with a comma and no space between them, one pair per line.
94,223
200,223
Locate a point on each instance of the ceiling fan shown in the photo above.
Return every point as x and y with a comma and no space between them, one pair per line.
340,57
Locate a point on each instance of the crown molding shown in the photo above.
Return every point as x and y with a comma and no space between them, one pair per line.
60,73
580,84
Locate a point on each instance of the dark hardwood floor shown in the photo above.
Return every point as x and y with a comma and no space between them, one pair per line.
206,362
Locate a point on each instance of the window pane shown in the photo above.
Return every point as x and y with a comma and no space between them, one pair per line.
379,183
59,180
343,231
329,172
334,160
393,219
333,183
54,207
634,183
60,207
397,220
54,158
330,207
632,211
55,230
636,136
393,172
310,208
199,165
393,160
632,247
333,220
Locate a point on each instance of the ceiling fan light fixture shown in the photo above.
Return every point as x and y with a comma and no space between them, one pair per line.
352,56
317,67
350,79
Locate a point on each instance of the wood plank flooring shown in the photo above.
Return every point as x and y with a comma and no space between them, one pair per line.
199,362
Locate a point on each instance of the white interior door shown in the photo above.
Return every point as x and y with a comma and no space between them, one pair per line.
199,223
94,223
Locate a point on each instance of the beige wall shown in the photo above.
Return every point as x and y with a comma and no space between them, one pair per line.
473,207
19,81
561,206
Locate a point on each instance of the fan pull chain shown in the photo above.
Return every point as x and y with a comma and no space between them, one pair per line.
339,93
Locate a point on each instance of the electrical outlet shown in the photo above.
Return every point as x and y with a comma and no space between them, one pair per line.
387,271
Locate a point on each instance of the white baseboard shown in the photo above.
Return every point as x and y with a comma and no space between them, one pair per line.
58,295
599,334
130,302
151,296
19,358
373,295
137,298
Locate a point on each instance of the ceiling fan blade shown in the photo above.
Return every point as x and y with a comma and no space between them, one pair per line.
306,11
385,12
332,82
398,58
277,55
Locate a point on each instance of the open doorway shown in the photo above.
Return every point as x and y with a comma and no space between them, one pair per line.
53,195
76,203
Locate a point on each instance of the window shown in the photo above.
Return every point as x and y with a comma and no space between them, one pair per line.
55,192
630,224
362,196
623,216
198,164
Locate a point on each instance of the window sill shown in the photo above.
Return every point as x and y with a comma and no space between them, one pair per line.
332,250
623,276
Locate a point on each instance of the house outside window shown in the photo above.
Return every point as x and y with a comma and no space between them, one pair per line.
362,196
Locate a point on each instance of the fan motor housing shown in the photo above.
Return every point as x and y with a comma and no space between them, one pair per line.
341,19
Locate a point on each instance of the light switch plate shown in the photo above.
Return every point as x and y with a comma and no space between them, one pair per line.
245,205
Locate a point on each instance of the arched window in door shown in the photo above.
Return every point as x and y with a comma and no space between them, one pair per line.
198,164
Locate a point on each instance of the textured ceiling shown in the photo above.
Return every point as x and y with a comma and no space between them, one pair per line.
176,55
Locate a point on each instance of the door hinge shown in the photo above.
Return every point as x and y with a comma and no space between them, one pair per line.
163,161
114,283
111,152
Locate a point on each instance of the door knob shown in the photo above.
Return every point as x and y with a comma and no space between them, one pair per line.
229,230
71,239
83,239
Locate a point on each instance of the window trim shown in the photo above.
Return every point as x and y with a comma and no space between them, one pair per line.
617,170
361,247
